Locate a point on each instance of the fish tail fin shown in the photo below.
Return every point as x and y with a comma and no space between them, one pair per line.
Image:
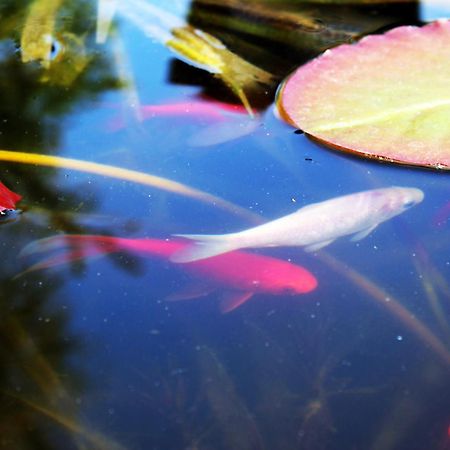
65,257
103,244
204,246
56,242
64,249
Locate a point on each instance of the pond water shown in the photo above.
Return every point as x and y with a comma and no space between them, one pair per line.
95,356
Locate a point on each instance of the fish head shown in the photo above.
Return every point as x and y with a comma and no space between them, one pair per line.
292,280
394,200
410,197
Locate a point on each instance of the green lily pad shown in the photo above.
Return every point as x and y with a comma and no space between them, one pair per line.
386,97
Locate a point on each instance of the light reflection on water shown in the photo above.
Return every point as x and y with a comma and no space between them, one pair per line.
93,353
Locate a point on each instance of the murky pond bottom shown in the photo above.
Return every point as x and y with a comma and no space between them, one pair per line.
107,343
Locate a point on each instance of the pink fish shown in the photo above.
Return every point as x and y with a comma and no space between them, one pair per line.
239,275
8,200
227,121
205,109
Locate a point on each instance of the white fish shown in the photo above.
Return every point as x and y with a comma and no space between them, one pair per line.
313,226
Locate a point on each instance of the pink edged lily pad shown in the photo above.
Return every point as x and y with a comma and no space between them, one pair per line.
385,97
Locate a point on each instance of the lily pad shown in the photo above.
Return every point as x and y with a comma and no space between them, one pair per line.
385,97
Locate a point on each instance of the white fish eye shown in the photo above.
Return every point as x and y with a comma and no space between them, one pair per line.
409,204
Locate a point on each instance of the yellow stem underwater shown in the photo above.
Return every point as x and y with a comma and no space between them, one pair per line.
128,175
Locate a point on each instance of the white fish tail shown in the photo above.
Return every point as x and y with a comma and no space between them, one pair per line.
205,246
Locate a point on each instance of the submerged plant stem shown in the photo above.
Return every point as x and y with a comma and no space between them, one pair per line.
128,175
98,440
431,279
392,305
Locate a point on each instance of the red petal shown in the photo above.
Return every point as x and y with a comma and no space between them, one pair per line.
8,199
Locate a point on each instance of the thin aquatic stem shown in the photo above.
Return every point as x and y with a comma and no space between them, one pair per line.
389,303
429,275
97,439
128,175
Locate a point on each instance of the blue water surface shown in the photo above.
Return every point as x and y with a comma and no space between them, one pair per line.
94,355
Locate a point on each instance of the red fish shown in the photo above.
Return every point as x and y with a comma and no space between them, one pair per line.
239,275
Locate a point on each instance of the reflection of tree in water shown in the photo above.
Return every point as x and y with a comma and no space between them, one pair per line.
33,352
38,385
33,108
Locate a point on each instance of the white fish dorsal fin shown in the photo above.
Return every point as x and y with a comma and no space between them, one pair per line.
232,300
363,233
318,245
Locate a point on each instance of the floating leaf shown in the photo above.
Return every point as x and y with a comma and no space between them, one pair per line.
386,97
198,48
204,50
